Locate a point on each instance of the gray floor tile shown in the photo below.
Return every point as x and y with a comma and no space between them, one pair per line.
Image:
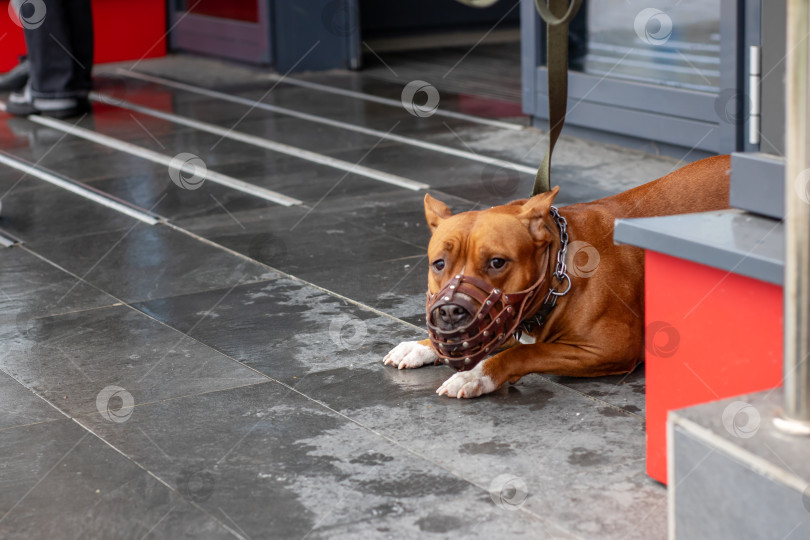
59,481
19,406
543,434
396,286
34,209
79,158
282,328
622,502
147,262
624,391
305,243
30,287
279,465
98,359
152,188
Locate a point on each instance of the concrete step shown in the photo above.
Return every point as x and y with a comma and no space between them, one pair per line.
733,475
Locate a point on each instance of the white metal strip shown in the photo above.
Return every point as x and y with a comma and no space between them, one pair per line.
369,97
77,189
6,242
326,121
163,159
267,144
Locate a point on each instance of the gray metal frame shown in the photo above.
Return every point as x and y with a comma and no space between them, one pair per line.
239,40
679,117
305,42
757,183
774,15
753,36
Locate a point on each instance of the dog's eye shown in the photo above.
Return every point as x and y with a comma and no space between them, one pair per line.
497,263
438,265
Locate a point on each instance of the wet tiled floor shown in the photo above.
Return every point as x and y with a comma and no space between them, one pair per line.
218,374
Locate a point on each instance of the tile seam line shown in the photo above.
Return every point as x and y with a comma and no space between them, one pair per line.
52,405
87,235
268,380
292,81
596,400
315,118
610,468
118,301
159,479
236,254
121,303
267,144
82,280
293,277
73,419
31,424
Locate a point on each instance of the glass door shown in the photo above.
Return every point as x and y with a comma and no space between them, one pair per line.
237,29
668,71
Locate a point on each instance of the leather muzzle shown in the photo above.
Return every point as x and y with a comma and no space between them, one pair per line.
495,317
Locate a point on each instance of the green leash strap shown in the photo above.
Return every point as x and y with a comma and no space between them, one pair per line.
557,19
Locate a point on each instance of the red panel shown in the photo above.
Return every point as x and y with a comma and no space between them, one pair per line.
12,44
710,335
123,31
240,10
129,30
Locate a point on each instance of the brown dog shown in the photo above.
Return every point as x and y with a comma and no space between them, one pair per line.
479,258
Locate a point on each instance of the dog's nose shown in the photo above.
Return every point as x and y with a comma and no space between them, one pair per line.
452,316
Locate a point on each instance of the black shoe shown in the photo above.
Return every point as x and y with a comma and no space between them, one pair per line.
14,79
22,103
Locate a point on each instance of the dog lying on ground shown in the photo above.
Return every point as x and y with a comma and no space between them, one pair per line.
514,270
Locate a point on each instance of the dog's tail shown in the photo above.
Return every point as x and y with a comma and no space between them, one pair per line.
701,186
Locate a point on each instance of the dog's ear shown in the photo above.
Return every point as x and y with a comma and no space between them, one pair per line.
435,212
534,211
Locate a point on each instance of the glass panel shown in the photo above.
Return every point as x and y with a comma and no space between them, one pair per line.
237,10
672,43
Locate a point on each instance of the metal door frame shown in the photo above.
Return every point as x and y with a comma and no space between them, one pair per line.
226,38
684,118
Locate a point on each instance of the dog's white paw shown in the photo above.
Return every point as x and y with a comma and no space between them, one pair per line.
410,354
467,384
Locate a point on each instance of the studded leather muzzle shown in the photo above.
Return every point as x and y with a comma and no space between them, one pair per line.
495,317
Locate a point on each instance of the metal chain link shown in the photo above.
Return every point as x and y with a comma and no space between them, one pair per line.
561,270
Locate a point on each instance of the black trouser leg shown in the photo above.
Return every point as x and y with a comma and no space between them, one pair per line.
60,49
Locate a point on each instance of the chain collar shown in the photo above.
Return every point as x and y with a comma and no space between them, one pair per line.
560,274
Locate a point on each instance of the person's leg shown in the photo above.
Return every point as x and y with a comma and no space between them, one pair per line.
81,39
60,48
59,39
16,77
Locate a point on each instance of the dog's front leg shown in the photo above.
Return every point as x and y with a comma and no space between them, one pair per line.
514,363
411,354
